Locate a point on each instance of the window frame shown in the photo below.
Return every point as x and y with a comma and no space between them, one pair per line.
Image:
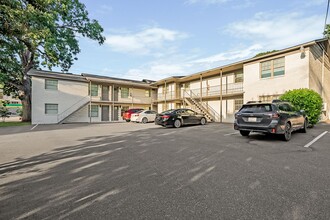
94,92
91,113
238,102
46,109
121,92
53,87
272,68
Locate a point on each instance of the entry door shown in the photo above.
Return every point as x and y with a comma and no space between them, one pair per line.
105,113
105,93
115,95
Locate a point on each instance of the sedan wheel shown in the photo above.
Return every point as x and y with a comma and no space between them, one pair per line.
177,123
203,121
144,120
287,132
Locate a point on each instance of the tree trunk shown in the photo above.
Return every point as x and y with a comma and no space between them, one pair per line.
26,104
26,99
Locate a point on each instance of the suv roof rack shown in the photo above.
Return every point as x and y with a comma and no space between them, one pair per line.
250,102
278,100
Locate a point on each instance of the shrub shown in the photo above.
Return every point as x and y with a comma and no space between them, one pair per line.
307,100
4,113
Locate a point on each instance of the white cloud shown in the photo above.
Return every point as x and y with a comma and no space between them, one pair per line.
277,30
144,42
231,55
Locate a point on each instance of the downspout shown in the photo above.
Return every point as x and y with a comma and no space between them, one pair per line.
201,89
90,101
165,95
322,79
113,103
221,95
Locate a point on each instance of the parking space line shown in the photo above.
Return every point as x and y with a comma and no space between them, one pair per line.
231,133
34,127
315,139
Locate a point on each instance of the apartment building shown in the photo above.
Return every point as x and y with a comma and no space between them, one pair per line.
218,92
70,98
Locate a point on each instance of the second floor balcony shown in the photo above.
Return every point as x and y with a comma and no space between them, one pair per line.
227,89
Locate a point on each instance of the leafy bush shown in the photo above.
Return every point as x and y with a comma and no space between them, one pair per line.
307,100
4,113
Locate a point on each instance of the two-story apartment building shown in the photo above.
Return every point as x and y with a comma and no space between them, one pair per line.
68,98
218,92
221,91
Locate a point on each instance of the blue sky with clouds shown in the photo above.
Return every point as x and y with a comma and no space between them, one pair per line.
155,39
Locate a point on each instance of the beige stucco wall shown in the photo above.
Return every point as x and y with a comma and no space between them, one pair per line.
296,76
319,78
68,93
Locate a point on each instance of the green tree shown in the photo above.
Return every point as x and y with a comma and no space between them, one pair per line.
264,53
326,32
307,100
40,33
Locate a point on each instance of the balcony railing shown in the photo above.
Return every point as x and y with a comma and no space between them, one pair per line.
168,95
227,89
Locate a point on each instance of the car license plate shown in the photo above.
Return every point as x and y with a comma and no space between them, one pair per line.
252,119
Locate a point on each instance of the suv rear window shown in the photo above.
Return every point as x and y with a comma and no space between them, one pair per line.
257,108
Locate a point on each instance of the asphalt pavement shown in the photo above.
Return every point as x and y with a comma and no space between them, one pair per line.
136,171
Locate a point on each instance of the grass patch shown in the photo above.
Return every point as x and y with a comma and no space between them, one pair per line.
13,123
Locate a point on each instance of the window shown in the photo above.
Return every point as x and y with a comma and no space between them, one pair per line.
147,93
285,107
124,92
272,68
94,90
238,77
268,98
51,84
238,104
93,111
51,109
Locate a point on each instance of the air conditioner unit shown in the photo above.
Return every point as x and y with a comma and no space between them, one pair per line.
324,107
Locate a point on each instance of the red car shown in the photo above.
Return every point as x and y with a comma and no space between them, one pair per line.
127,114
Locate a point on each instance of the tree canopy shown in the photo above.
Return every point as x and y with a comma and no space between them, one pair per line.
40,33
264,53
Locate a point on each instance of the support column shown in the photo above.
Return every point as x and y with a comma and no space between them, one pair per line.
221,95
201,89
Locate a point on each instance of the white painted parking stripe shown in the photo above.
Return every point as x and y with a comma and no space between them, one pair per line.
169,133
315,139
34,127
231,133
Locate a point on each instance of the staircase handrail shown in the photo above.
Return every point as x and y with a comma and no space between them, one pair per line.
216,116
60,115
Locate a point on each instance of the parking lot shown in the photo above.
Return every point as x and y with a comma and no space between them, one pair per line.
144,171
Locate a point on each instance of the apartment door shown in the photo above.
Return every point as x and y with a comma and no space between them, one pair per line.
105,93
105,113
115,93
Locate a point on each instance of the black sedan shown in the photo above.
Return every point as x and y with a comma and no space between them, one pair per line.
178,117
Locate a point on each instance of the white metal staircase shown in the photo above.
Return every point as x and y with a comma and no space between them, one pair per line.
72,109
194,102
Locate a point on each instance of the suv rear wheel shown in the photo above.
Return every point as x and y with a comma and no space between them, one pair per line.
287,132
244,133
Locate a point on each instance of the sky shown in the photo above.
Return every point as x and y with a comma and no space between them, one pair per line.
155,39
